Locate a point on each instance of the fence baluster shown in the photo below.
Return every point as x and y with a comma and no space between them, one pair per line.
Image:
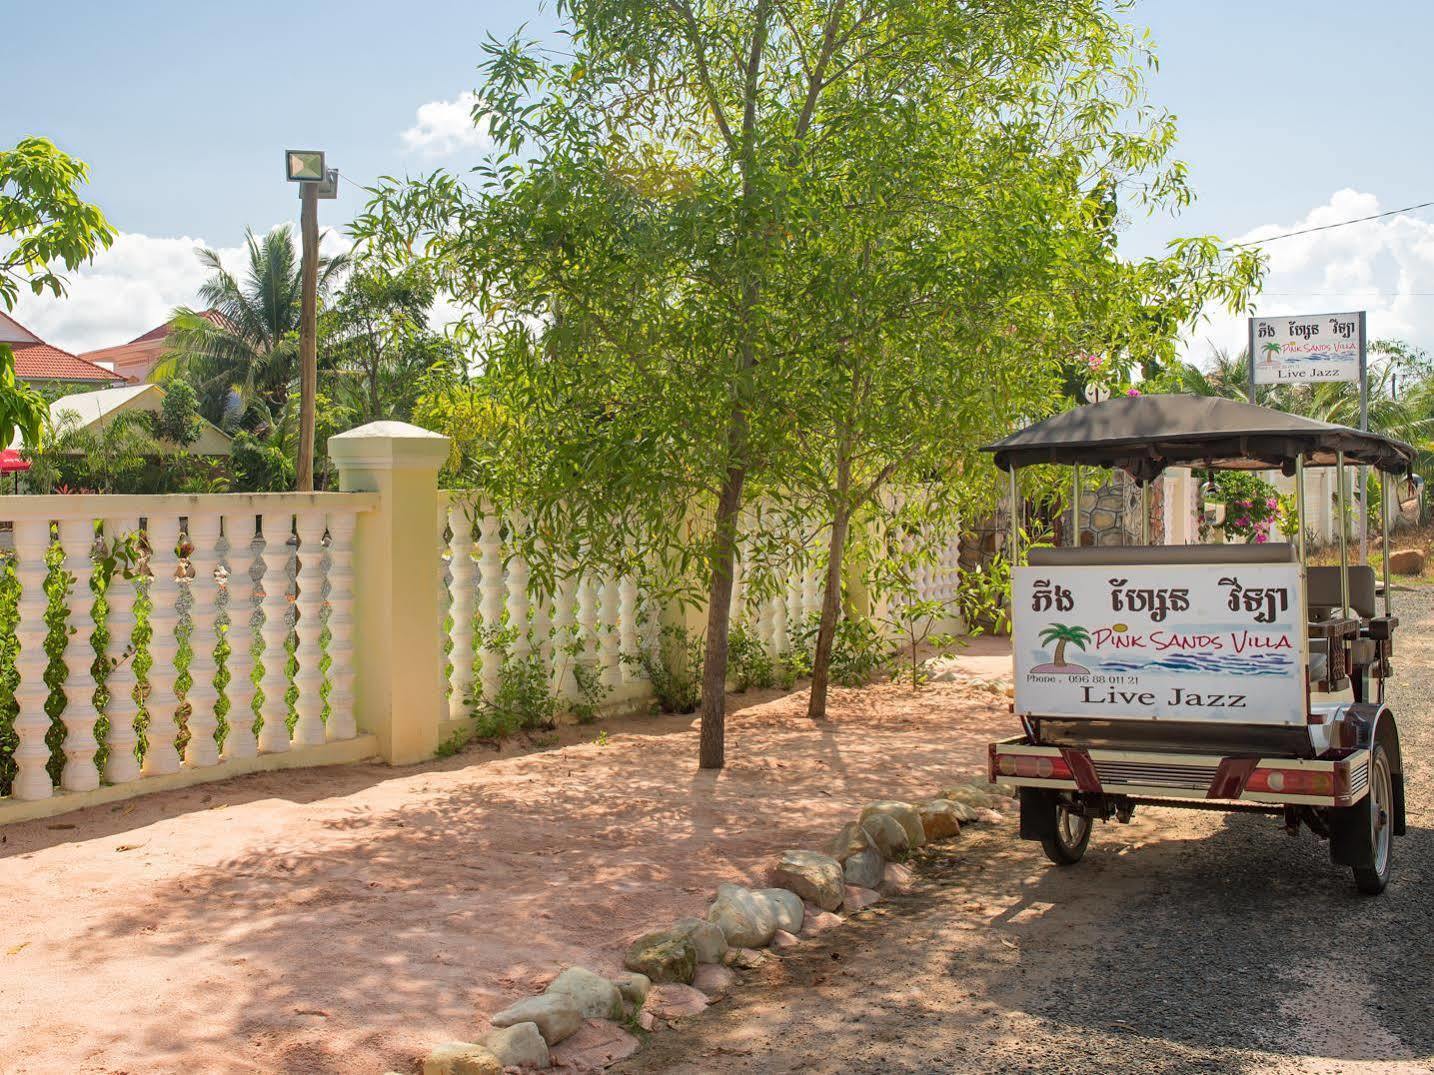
627,620
274,732
341,626
463,570
518,604
610,643
162,702
239,739
309,678
32,780
122,763
203,696
77,539
494,596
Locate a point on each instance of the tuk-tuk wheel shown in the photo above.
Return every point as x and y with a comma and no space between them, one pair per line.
1066,844
1378,825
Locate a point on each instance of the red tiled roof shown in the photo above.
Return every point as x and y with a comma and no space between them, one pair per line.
165,329
41,362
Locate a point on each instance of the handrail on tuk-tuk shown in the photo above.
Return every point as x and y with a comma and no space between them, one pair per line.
1143,435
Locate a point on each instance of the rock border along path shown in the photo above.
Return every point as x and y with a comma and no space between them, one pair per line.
585,1022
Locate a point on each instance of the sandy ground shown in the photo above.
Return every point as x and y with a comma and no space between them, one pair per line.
1183,943
347,919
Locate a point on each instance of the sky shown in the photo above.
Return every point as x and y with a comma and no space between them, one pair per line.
1292,113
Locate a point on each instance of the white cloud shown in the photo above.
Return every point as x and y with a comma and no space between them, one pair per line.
131,288
1383,266
444,127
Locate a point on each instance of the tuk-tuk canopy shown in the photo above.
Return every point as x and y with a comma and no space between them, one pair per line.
1145,434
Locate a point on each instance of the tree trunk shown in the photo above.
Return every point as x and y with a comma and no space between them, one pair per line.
831,606
712,745
1060,655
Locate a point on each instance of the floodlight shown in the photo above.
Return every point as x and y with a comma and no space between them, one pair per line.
304,165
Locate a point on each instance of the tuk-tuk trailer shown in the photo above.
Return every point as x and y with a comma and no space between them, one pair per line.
1227,677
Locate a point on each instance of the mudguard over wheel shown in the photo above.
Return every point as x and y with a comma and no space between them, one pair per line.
1362,835
1062,833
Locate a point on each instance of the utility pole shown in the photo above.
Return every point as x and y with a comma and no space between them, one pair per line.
306,167
308,336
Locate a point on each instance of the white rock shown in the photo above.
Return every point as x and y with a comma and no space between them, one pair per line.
865,868
556,1014
851,839
706,937
782,939
634,988
887,834
745,922
516,1045
595,996
811,875
905,815
786,907
897,878
461,1058
941,818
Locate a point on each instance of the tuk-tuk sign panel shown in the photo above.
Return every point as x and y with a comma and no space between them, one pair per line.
1307,349
1170,642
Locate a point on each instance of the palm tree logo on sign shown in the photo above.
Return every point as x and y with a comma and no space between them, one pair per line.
1062,636
1271,352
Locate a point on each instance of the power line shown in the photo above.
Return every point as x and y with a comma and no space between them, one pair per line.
1340,224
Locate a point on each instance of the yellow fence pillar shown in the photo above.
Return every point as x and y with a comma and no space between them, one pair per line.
397,637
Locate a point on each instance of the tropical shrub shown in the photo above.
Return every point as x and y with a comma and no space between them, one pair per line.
673,666
1250,503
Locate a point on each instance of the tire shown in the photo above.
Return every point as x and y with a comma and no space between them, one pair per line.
1066,843
1376,828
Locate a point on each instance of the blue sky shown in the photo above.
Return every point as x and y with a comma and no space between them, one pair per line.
1292,112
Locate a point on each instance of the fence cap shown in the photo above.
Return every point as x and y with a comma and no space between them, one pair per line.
389,444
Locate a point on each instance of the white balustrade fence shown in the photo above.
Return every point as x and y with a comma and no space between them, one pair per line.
180,633
493,611
149,642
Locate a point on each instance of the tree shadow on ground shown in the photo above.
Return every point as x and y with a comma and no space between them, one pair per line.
383,910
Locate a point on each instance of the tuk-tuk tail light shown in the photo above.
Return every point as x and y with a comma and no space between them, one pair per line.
1033,766
1330,783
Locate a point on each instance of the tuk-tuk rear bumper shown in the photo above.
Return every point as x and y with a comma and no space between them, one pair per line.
1330,782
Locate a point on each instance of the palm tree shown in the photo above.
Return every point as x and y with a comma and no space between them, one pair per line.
1272,351
241,354
1063,636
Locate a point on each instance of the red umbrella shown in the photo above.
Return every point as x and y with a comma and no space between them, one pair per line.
11,463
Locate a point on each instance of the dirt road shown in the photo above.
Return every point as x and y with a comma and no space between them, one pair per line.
1183,943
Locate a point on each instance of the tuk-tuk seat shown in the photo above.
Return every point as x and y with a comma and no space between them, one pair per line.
1322,590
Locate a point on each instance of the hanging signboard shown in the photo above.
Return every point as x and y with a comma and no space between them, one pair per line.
1193,642
1307,349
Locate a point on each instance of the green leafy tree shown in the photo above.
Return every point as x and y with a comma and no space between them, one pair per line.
44,225
691,225
241,351
377,344
178,421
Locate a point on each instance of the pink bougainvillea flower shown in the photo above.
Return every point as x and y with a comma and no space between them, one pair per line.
1132,392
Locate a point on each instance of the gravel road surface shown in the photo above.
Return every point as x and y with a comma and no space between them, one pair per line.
1184,942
